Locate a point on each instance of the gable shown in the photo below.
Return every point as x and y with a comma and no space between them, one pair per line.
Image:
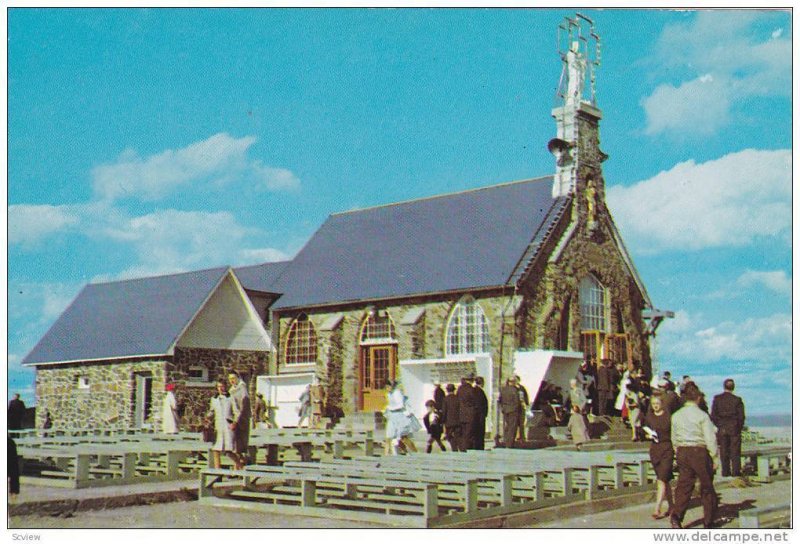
226,321
130,318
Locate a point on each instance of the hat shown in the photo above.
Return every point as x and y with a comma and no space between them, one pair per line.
170,387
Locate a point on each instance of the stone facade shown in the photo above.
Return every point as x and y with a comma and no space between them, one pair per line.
109,400
196,397
338,356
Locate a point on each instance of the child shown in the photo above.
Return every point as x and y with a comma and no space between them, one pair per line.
577,427
433,424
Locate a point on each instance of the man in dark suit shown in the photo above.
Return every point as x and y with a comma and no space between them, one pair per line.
451,418
605,387
727,413
468,412
511,408
16,412
481,413
438,397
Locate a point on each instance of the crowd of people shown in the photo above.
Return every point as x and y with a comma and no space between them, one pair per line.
457,415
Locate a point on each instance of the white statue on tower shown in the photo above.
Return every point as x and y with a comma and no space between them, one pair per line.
576,74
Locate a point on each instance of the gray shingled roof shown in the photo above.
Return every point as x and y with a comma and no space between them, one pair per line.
460,241
260,277
126,318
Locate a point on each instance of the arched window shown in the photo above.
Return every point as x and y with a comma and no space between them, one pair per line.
301,342
593,305
377,327
467,329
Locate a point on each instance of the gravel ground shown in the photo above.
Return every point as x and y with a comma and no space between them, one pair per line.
180,515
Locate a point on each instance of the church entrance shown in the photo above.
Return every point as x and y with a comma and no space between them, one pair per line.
378,365
377,359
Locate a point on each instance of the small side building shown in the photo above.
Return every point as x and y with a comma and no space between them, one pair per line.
106,360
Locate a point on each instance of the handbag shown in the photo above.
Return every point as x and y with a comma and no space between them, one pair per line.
209,434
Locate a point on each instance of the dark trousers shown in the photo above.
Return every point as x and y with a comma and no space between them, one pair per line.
730,451
13,468
603,400
694,464
510,426
434,439
454,436
480,434
470,431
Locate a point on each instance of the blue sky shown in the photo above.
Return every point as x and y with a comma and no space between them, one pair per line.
148,141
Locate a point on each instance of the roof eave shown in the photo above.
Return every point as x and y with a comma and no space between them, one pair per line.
393,297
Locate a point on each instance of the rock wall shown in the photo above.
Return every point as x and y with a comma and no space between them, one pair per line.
195,397
107,402
109,399
338,350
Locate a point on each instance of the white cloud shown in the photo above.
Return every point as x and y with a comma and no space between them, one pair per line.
723,59
172,241
28,224
702,103
776,280
263,255
274,179
731,201
219,159
763,340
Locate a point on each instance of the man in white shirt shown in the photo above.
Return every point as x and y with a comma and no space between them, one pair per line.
695,441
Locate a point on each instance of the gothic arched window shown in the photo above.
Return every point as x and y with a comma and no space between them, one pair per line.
378,326
467,329
301,342
593,304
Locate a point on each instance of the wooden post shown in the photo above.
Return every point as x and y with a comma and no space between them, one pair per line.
471,496
507,490
594,481
619,479
643,472
538,479
309,493
128,465
369,446
763,469
173,459
567,475
81,468
431,502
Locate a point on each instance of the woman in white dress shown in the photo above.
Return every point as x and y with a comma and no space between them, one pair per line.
400,422
169,411
222,412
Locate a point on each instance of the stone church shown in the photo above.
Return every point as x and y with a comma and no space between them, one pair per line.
528,277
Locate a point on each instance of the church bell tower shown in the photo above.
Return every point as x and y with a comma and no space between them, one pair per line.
576,146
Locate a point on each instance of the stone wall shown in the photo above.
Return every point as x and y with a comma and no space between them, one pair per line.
555,298
107,402
196,397
338,350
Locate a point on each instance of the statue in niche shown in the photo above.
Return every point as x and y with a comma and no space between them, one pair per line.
591,203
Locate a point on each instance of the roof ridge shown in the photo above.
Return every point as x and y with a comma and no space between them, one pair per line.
220,268
260,264
445,195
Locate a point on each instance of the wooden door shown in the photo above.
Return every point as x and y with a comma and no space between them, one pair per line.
378,365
